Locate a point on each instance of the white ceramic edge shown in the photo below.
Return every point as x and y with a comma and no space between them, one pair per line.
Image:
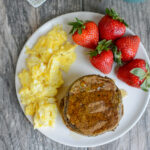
93,145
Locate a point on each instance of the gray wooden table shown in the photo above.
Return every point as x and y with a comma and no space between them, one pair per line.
18,20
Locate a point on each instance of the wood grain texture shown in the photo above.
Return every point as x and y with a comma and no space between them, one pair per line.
18,20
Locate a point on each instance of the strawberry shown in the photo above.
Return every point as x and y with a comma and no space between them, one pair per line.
128,47
102,57
85,34
136,73
111,26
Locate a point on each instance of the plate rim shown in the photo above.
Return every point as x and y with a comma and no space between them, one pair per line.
74,145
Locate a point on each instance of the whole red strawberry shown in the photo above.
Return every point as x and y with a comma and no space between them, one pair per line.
102,57
111,26
128,47
136,73
85,34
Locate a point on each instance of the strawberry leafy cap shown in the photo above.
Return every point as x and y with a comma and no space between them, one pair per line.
78,25
102,45
114,15
143,75
117,55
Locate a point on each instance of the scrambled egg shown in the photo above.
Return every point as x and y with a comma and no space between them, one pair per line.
40,81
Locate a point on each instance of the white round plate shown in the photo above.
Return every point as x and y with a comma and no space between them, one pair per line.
134,104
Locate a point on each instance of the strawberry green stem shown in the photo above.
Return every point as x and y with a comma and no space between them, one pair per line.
102,45
117,55
143,75
114,15
78,25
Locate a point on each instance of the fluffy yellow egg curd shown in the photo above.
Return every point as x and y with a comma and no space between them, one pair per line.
51,55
